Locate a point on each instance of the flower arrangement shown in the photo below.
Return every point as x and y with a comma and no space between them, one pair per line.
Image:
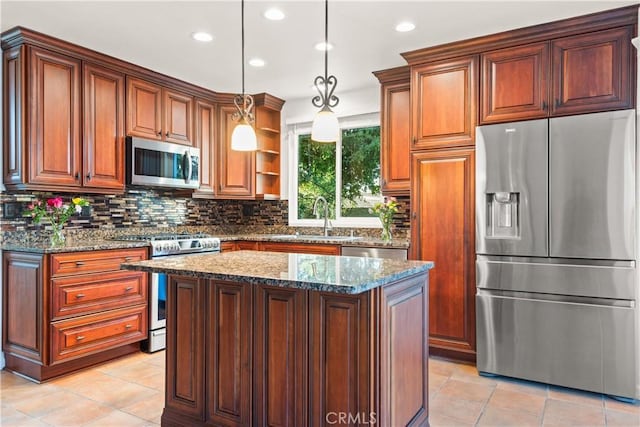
385,211
56,212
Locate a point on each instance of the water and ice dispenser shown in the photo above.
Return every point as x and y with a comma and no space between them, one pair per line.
503,215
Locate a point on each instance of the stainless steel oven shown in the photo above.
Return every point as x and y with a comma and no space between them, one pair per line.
167,245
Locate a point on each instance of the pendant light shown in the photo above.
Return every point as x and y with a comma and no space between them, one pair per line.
243,137
325,126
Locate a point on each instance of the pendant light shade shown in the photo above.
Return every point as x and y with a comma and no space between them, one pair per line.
243,137
325,126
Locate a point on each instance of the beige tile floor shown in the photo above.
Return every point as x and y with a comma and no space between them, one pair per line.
129,392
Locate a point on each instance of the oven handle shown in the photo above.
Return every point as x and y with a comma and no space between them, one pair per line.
186,168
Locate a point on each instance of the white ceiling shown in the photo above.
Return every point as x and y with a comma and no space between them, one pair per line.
156,34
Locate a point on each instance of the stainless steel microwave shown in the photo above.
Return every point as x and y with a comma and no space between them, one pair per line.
162,164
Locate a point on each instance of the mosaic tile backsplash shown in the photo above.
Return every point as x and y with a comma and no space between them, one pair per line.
142,208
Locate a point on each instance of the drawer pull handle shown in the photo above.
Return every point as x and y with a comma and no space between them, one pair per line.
79,337
79,263
78,296
129,258
127,326
128,288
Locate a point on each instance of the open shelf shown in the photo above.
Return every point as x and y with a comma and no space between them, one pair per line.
269,130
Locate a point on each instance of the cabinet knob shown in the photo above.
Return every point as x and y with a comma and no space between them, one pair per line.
128,288
544,105
127,326
79,263
89,176
557,102
77,176
414,140
79,337
79,296
159,133
414,215
166,134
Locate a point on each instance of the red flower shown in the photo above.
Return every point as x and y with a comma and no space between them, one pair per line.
55,203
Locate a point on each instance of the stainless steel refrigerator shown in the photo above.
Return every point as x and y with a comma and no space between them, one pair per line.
557,278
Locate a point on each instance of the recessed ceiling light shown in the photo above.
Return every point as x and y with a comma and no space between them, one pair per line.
321,46
274,14
201,36
403,27
257,62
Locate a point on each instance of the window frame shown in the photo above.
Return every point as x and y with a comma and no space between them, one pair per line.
360,121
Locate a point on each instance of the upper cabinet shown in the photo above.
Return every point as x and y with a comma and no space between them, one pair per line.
205,140
159,113
236,169
515,83
580,74
64,123
395,131
593,72
267,127
444,102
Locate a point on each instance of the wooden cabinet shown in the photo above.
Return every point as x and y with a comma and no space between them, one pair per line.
236,169
443,231
292,357
65,123
444,98
103,135
515,83
267,127
66,311
579,74
593,72
205,140
395,132
159,113
303,248
228,246
280,371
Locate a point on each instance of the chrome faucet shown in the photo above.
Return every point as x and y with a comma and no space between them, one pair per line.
327,225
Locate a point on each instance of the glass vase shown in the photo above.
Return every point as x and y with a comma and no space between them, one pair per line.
386,232
57,236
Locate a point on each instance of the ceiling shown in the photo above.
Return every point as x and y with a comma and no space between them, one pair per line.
156,34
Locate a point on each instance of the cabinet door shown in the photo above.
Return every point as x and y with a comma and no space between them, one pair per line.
593,72
23,307
144,109
515,83
185,368
280,357
229,331
236,169
205,141
396,138
178,117
103,127
54,124
339,371
444,98
443,231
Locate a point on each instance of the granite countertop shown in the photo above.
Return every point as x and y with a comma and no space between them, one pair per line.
341,274
333,240
71,245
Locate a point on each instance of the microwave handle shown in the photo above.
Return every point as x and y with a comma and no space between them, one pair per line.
186,167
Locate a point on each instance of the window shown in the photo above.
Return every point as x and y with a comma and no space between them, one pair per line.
346,174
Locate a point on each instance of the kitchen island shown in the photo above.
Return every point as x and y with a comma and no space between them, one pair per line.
266,338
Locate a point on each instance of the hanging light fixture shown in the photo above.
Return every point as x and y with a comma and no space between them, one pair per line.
243,137
325,126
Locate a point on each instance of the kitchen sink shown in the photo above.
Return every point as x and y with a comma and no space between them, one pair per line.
312,237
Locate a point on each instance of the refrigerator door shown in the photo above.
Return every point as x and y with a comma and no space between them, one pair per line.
511,189
583,343
592,186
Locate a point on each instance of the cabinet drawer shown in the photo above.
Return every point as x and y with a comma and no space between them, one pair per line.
86,335
92,262
92,292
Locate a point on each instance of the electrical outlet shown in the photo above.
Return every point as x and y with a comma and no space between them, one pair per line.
13,210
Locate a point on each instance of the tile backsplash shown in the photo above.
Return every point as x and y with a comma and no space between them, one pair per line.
163,209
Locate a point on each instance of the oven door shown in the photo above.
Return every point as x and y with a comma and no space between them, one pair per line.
158,301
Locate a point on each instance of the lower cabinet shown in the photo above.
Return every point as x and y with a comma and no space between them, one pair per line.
240,354
66,311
